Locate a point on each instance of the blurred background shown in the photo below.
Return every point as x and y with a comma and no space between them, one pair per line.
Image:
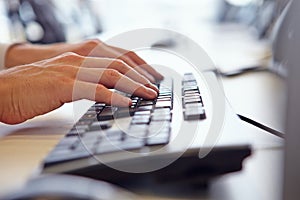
72,20
240,22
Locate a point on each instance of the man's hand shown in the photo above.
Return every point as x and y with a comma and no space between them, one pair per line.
34,89
21,54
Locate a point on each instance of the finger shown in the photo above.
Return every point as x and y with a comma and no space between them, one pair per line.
96,92
113,79
134,65
120,66
139,61
110,52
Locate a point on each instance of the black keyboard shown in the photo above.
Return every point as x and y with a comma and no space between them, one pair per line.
150,124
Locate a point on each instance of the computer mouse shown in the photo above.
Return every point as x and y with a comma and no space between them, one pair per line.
61,187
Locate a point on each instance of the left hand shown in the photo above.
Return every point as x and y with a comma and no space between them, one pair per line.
91,48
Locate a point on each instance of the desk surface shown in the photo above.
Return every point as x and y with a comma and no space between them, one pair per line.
26,145
254,95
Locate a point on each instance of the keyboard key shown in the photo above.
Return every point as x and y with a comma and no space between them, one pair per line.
97,108
163,111
146,103
132,143
75,132
143,112
190,88
124,112
84,147
90,136
162,137
106,146
140,119
163,104
164,98
189,83
191,95
107,113
194,113
143,108
138,130
157,141
113,135
82,127
161,118
157,127
192,92
89,116
188,77
192,100
100,125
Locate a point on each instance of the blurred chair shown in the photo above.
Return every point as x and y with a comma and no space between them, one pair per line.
44,22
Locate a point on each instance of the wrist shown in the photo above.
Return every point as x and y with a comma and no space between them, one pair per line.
26,53
12,56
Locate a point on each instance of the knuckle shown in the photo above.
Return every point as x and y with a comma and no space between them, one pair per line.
124,68
121,66
100,87
93,42
87,47
119,63
131,54
112,74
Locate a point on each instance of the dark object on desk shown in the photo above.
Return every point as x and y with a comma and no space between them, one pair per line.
166,43
242,71
63,187
188,169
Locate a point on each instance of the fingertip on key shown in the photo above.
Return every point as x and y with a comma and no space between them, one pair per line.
151,94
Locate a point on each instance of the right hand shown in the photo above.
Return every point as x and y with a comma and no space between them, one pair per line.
35,89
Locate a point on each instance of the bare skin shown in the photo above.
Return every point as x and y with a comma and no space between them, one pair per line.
45,77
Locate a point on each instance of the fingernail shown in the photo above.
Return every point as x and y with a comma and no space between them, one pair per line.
151,93
152,86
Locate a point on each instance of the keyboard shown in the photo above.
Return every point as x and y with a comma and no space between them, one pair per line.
156,140
150,124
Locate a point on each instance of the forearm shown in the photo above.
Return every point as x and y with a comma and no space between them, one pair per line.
24,53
